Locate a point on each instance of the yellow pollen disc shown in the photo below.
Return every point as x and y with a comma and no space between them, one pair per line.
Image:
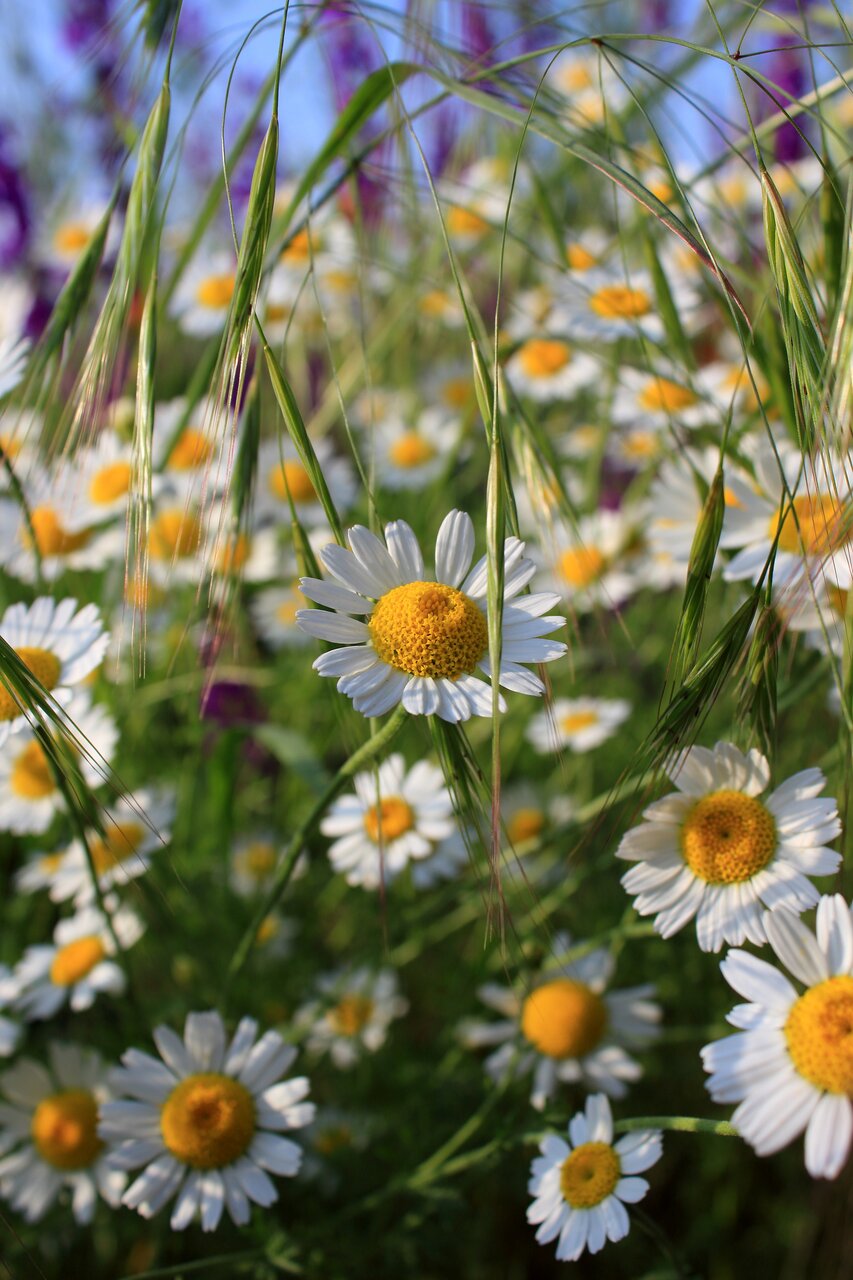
9,446
589,1175
824,525
574,77
578,258
733,191
191,450
286,612
543,357
429,629
579,566
30,777
525,824
351,1015
642,444
578,720
121,843
215,292
457,393
51,536
174,533
465,222
388,820
232,558
291,477
564,1019
110,483
728,837
257,859
73,961
819,1032
732,500
662,189
837,599
411,450
64,1129
276,312
340,281
660,395
50,863
435,303
618,302
71,237
208,1120
299,249
267,929
43,664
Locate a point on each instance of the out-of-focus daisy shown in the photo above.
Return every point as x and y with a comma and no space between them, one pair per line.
581,1186
190,460
59,528
274,614
590,564
14,346
252,555
276,935
586,250
424,639
29,796
547,368
206,1120
252,862
568,1028
176,537
69,232
283,479
57,643
734,387
607,305
715,851
102,479
588,85
441,309
791,1066
660,398
10,1031
577,723
134,828
412,455
49,1127
353,1014
78,967
202,299
394,817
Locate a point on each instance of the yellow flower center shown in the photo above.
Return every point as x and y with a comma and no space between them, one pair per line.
575,76
728,837
121,843
457,393
71,237
661,188
43,664
286,612
641,444
580,566
73,961
351,1015
817,525
174,533
30,777
340,281
429,629
525,824
291,477
618,302
579,258
267,929
578,720
819,1031
660,395
388,820
733,191
257,859
64,1129
232,557
564,1019
208,1120
411,450
300,247
110,483
51,536
276,312
589,1175
191,450
465,222
215,292
435,304
543,357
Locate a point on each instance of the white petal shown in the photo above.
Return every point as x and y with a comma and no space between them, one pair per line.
454,547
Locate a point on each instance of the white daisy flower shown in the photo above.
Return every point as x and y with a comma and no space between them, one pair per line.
424,639
206,1120
191,461
591,89
274,615
282,477
176,540
734,387
39,872
590,563
253,860
17,300
547,368
569,1028
136,826
61,528
102,477
608,305
77,967
661,398
58,644
202,299
577,723
69,232
29,796
581,1186
394,817
715,851
49,1128
353,1014
587,250
10,1031
790,1067
412,455
252,555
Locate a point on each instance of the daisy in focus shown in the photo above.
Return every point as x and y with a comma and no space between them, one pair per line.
569,1028
581,1186
714,850
790,1067
577,723
49,1132
424,639
353,1014
206,1120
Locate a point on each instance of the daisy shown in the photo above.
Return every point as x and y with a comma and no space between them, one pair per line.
589,563
189,458
77,967
577,723
176,538
59,645
202,300
14,347
581,1186
714,850
412,455
790,1067
206,1120
10,1032
102,479
69,234
283,479
661,399
424,639
49,1127
29,796
393,818
252,862
61,529
547,368
568,1028
134,828
591,89
608,305
353,1014
274,615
